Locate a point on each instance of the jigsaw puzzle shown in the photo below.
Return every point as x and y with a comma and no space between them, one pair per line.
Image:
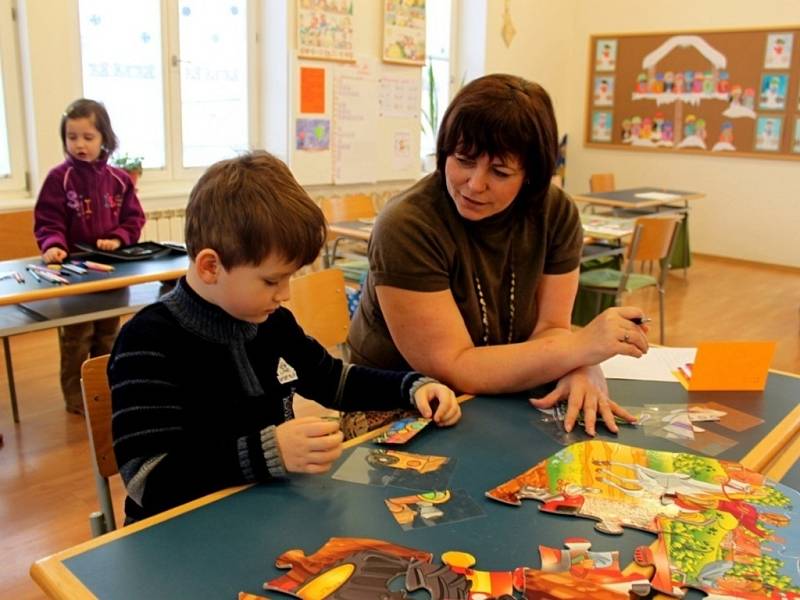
720,527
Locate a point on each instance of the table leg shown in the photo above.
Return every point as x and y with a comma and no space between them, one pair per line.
10,372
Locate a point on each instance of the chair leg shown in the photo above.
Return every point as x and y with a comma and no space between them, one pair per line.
661,315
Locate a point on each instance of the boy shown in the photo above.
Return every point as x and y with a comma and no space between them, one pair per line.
202,381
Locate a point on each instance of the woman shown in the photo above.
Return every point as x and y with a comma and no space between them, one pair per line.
474,269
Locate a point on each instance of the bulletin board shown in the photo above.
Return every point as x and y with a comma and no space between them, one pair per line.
354,123
720,93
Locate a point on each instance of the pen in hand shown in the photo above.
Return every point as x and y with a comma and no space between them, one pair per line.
640,320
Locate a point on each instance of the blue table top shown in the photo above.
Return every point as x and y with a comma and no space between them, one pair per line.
230,545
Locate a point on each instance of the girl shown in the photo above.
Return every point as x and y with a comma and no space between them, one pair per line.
84,200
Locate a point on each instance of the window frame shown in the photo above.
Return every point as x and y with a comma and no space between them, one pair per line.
15,184
174,174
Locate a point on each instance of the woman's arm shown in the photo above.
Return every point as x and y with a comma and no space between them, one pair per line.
430,333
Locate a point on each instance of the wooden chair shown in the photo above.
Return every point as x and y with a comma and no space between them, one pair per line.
653,239
319,304
97,404
16,235
345,208
602,182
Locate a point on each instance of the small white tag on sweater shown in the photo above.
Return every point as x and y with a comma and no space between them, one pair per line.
286,372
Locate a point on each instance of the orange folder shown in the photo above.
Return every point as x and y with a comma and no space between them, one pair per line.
730,366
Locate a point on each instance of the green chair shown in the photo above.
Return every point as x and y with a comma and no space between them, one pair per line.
652,241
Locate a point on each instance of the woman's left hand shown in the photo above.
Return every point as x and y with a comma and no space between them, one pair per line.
448,411
585,390
110,244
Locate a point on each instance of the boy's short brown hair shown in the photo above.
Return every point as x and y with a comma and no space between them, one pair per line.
249,207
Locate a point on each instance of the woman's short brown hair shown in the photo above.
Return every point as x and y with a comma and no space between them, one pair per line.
249,207
502,115
83,108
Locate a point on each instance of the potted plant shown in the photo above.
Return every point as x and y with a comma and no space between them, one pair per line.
430,117
132,165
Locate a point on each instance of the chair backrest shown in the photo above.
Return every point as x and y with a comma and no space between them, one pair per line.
97,403
602,182
347,208
319,303
16,235
653,238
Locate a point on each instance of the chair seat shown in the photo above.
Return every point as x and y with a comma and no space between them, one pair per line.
610,278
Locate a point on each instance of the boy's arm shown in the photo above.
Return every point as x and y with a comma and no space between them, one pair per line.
162,461
131,217
50,214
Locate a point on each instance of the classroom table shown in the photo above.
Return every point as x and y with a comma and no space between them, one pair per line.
644,201
216,546
36,305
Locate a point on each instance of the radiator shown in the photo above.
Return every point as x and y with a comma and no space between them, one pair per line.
164,225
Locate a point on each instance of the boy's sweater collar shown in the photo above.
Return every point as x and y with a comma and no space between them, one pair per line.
213,324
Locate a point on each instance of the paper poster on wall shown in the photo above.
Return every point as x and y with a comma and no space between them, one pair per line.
402,158
399,96
355,114
606,55
796,143
773,92
604,90
312,90
404,32
779,51
325,29
601,126
768,133
312,135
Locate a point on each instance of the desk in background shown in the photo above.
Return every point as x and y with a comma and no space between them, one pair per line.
643,201
36,305
227,542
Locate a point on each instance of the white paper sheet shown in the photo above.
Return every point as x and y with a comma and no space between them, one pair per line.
657,196
657,365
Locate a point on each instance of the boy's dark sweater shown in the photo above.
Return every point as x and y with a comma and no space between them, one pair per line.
191,416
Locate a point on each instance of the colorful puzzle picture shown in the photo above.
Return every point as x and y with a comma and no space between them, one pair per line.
382,467
402,430
428,509
367,569
720,527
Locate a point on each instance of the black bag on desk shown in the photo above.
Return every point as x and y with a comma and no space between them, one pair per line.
140,251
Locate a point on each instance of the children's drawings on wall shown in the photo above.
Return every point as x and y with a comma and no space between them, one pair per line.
313,134
796,143
773,92
325,29
604,90
606,55
601,126
695,91
768,133
404,32
778,53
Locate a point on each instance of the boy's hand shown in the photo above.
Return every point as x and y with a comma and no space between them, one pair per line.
110,244
54,254
428,396
309,444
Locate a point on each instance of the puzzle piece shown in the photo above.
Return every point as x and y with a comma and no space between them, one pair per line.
402,431
499,585
249,596
351,568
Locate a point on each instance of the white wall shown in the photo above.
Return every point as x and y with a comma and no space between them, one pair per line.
752,207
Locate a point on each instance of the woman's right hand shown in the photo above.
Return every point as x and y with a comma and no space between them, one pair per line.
309,444
613,332
54,254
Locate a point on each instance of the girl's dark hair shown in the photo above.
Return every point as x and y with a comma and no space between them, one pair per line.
502,115
90,109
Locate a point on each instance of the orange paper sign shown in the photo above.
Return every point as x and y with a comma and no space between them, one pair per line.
731,366
312,90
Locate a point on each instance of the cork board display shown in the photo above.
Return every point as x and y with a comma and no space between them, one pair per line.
722,93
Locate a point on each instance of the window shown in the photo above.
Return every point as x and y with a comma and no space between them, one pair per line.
174,76
12,145
436,72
